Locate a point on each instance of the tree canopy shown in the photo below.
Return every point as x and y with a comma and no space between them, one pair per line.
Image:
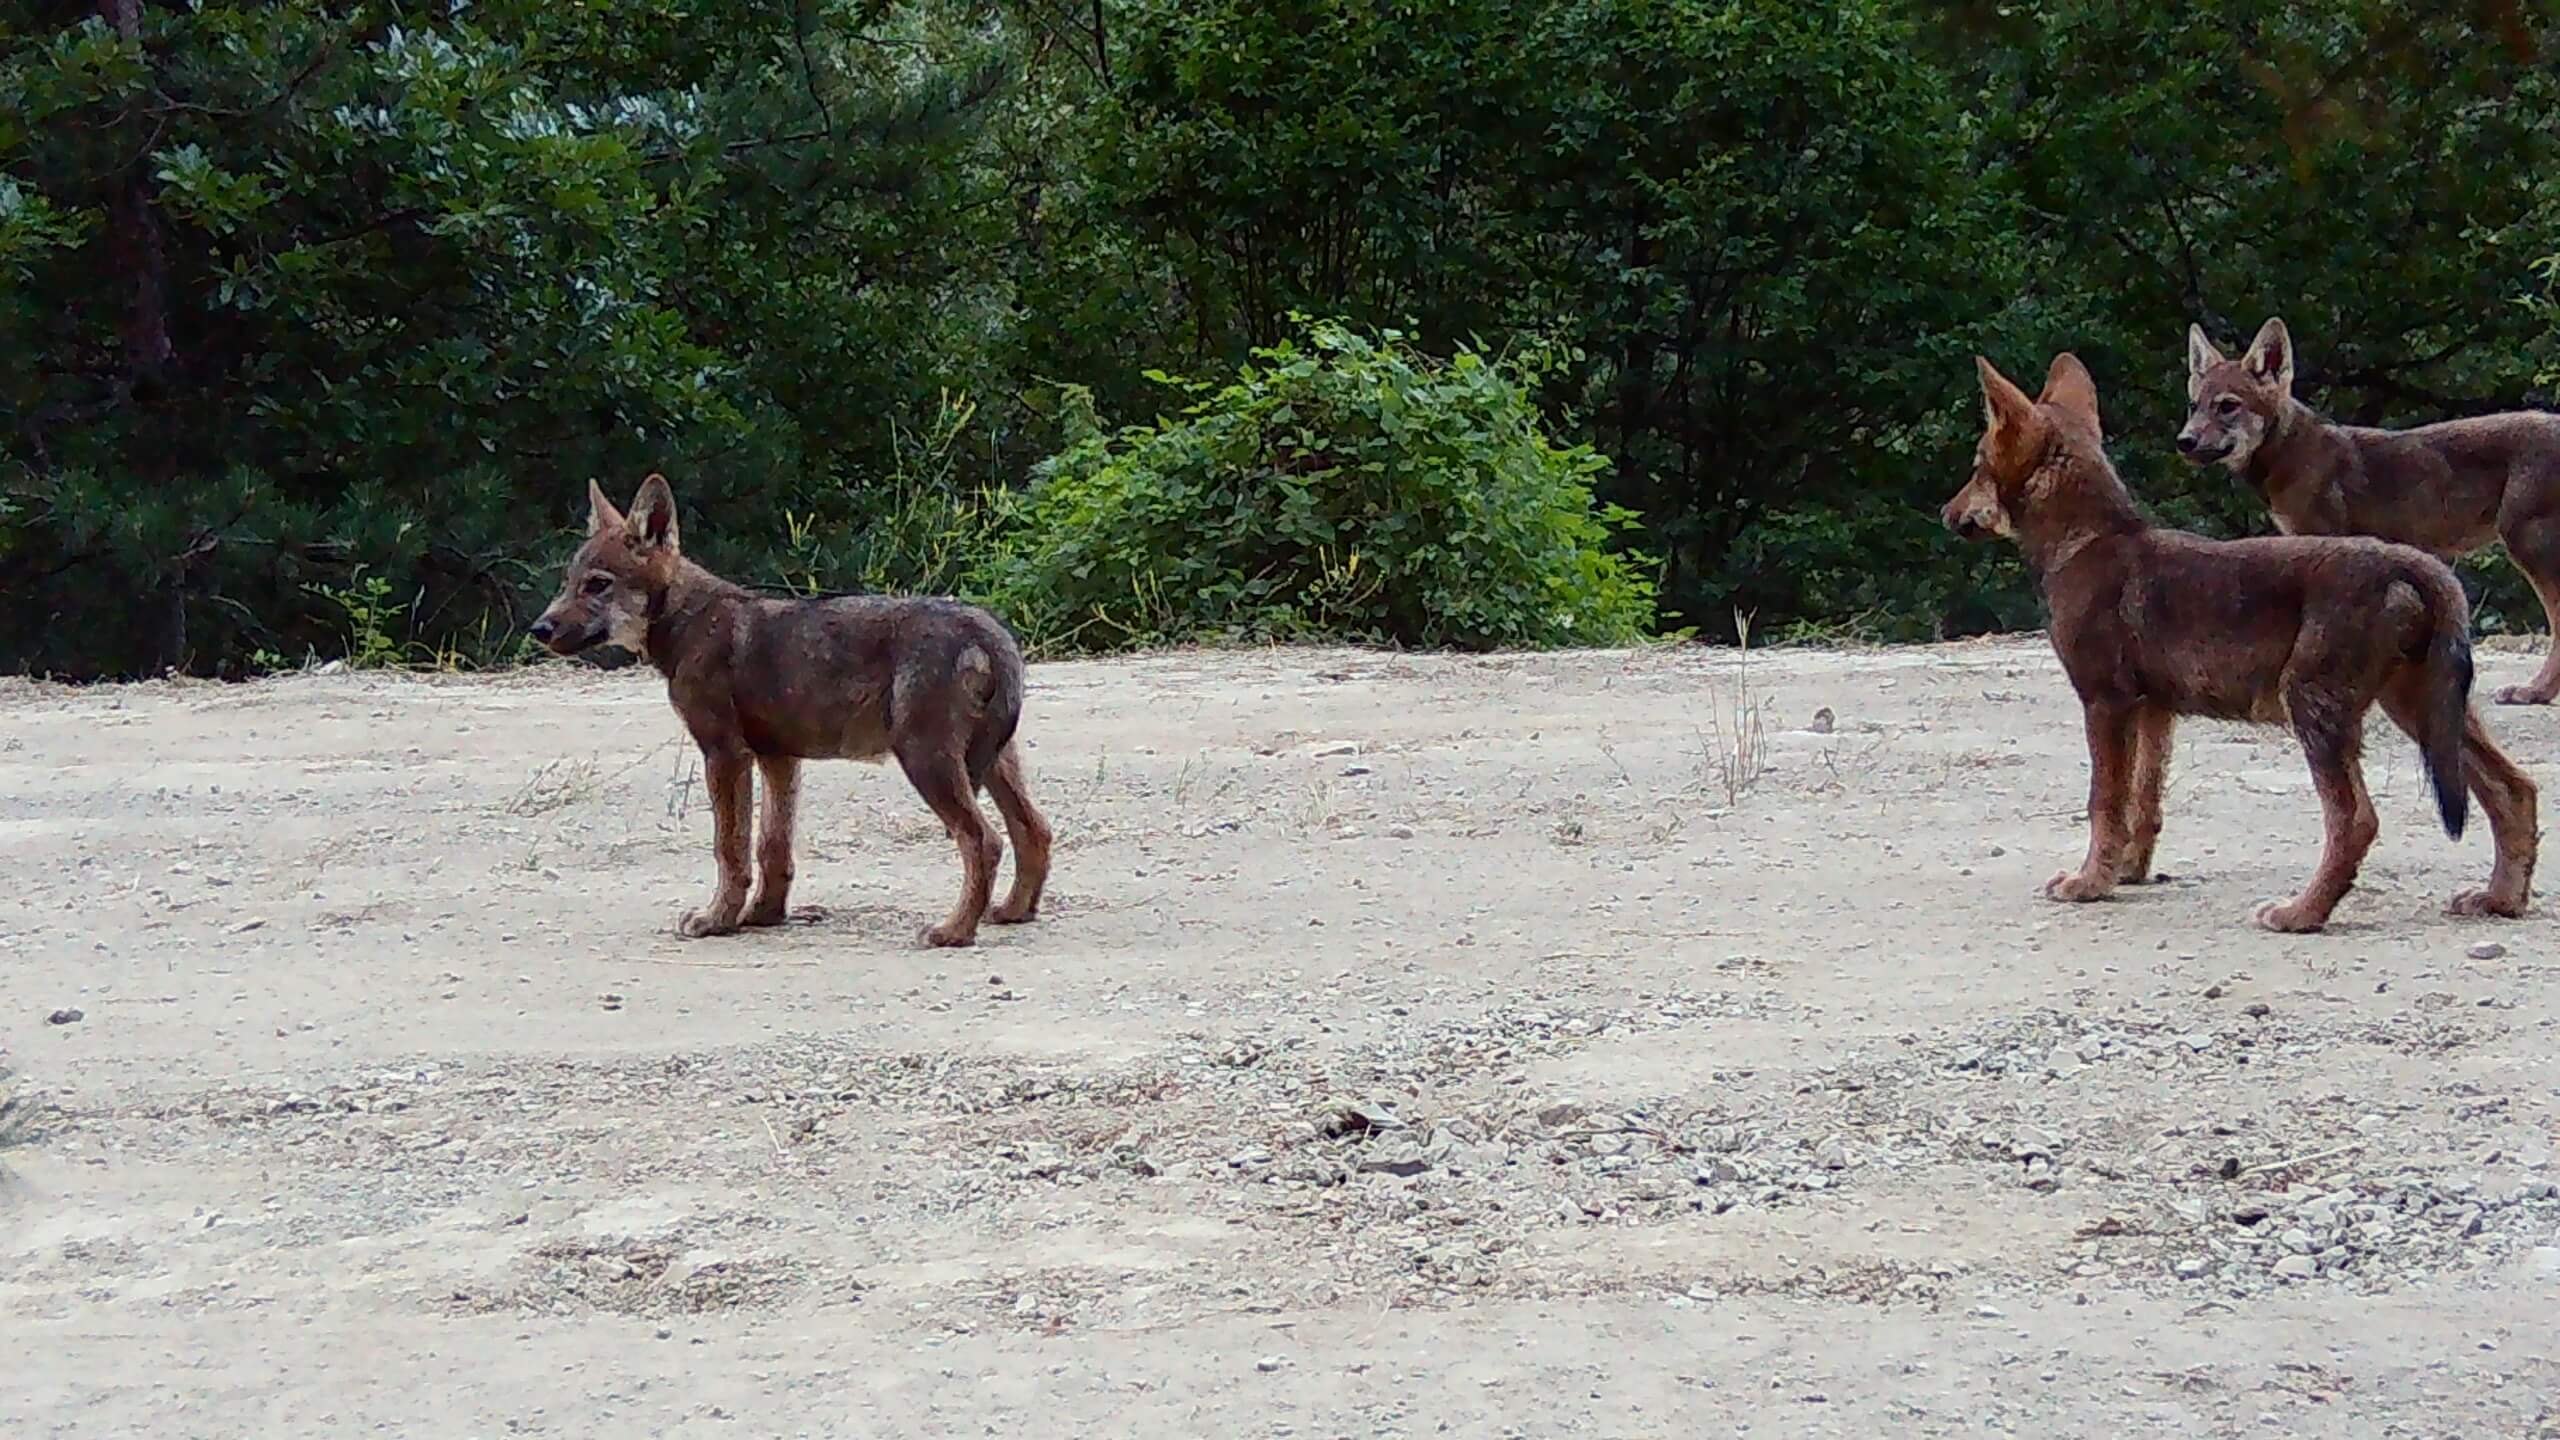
321,314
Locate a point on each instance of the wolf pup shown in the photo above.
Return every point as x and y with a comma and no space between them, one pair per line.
764,684
2152,623
2447,488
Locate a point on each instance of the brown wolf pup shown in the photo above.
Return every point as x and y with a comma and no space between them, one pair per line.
2448,488
2152,623
764,684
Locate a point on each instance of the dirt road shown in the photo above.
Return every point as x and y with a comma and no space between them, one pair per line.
1413,1047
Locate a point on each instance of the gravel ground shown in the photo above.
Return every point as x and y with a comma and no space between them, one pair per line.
1412,1046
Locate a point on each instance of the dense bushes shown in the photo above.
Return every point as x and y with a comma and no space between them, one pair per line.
1349,487
320,313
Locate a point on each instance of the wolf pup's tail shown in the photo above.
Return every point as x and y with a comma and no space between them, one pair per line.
2446,666
1003,712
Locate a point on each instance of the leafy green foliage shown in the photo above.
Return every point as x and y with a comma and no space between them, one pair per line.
309,299
1348,486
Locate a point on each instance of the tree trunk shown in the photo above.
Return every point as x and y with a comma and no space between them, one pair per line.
135,245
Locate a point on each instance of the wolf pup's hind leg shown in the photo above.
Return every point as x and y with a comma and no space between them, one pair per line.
1030,833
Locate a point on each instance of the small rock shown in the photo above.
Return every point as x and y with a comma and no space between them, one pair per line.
1560,1114
1824,722
254,922
1249,1157
2030,1143
2257,1011
1400,832
2193,1266
2297,1267
65,1016
1356,1117
2213,992
2297,1240
1270,1364
1833,1154
2486,950
1405,1161
1989,1312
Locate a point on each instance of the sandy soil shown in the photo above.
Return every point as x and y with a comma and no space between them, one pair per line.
1412,1047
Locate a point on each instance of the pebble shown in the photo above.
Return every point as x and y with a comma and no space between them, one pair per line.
1269,1364
2486,950
65,1016
2193,1266
1833,1154
1403,1161
2297,1267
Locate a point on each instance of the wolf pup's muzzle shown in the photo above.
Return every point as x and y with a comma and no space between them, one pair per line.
550,636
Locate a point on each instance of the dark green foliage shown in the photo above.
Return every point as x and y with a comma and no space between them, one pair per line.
321,312
1347,487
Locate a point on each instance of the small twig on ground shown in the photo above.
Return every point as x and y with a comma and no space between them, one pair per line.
2314,1158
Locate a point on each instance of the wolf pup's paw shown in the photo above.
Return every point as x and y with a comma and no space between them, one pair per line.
2476,903
947,937
2521,695
2075,886
697,924
2293,917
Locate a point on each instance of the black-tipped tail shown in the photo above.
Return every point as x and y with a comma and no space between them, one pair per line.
2448,711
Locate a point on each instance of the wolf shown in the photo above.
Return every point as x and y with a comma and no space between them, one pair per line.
2309,632
2447,488
763,684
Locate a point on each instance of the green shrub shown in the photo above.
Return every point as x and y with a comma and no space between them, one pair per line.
1350,487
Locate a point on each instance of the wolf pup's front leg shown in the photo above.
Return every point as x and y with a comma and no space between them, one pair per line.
2110,789
731,773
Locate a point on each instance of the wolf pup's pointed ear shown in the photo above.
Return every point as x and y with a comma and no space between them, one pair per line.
653,515
601,516
2270,356
2005,407
2201,356
2069,388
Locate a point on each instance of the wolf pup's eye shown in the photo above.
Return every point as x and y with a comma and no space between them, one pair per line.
598,584
2228,405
